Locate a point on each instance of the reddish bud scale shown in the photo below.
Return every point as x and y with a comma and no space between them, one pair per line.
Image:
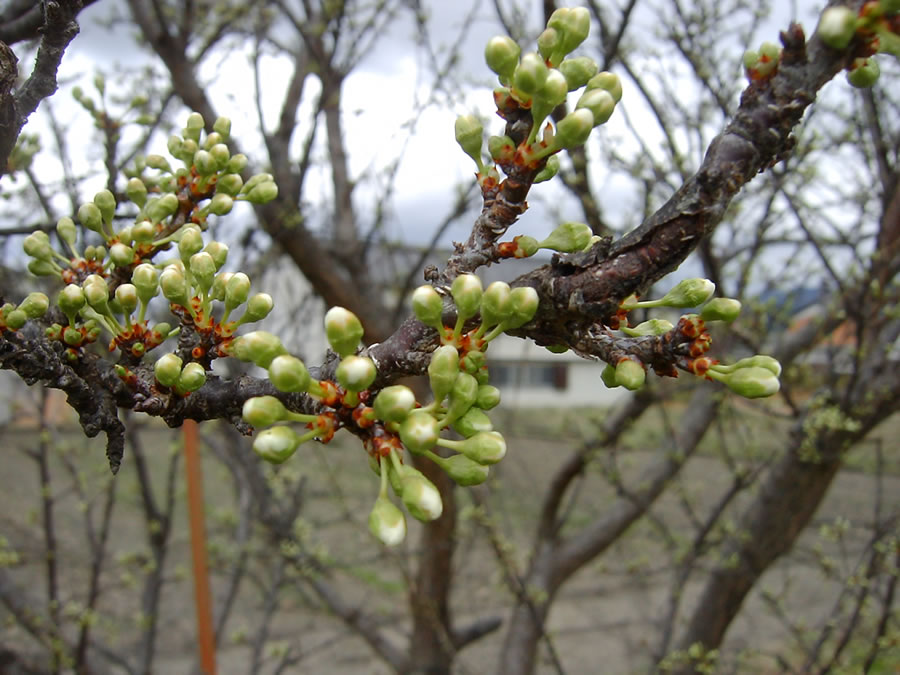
691,327
79,270
363,416
383,442
332,393
700,366
198,353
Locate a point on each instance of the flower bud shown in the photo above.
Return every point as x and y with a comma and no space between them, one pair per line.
106,202
194,126
466,292
263,411
89,216
502,56
496,305
752,382
43,268
464,471
356,373
343,329
159,163
204,163
136,191
551,168
174,286
259,347
193,376
72,336
220,154
630,374
96,293
863,73
573,129
287,373
236,164
650,327
601,104
126,296
221,204
186,152
578,71
837,26
721,309
608,376
222,126
686,293
462,395
758,361
547,42
143,231
237,290
276,444
258,307
65,228
568,237
468,131
121,255
554,90
37,245
530,74
501,148
387,523
473,362
524,301
420,497
394,403
229,184
203,268
419,431
167,369
474,421
577,26
262,193
487,447
488,397
442,371
34,305
428,306
608,82
145,278
15,319
157,210
71,300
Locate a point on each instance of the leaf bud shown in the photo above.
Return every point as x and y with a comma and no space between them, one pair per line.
89,216
394,403
145,278
551,168
486,447
530,74
263,411
174,286
343,329
573,129
65,228
837,26
204,163
524,301
203,269
496,305
721,309
222,126
167,369
229,184
387,522
442,371
121,255
428,306
864,73
420,497
126,296
34,305
257,346
630,374
502,56
419,431
287,373
466,291
474,421
258,307
601,104
262,193
356,373
607,82
578,71
237,290
276,444
190,242
218,251
37,245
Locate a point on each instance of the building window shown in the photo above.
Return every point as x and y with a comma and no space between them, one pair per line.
529,375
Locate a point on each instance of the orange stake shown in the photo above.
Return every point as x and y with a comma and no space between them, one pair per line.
205,637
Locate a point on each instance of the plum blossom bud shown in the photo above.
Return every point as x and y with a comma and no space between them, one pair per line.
288,374
237,290
496,303
126,296
419,431
442,371
356,373
608,82
524,301
263,411
259,347
159,209
752,382
65,228
488,397
428,306
502,56
145,278
71,300
220,154
106,202
464,471
34,305
568,237
468,131
466,291
578,71
474,421
121,255
547,42
394,403
136,191
194,126
420,497
159,163
608,376
630,374
15,319
258,307
649,327
89,216
193,376
487,447
204,163
837,26
236,164
864,73
262,193
530,74
573,129
721,309
222,126
229,184
37,245
601,104
343,329
462,395
143,232
386,522
167,369
276,445
174,285
203,268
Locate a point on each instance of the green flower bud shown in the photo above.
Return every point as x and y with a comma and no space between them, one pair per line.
229,184
188,148
277,444
578,71
190,242
72,336
394,403
15,319
262,193
145,278
96,293
42,268
263,411
864,73
387,523
174,145
496,303
259,347
488,397
126,296
608,376
255,180
474,421
236,164
463,470
194,126
630,374
237,290
501,148
70,300
222,126
651,327
466,291
160,332
159,162
287,373
487,447
442,371
419,431
608,82
750,382
554,90
502,56
343,329
125,235
551,168
174,286
689,293
530,74
159,209
462,396
421,498
203,268
217,292
577,25
221,204
106,202
121,255
428,306
356,373
193,376
837,26
721,309
573,129
89,216
204,163
212,140
568,237
37,245
258,307
524,301
750,59
473,362
548,42
601,104
468,131
758,361
65,228
143,231
34,305
167,369
218,251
